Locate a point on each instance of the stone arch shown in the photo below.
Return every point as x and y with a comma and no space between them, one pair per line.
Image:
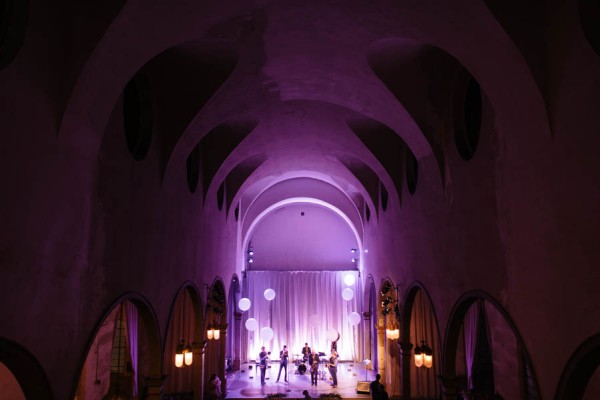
26,369
410,300
579,370
452,335
186,303
150,362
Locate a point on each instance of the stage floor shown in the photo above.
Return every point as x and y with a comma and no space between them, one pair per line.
245,384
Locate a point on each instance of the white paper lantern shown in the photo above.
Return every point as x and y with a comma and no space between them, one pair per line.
347,294
251,324
244,304
333,335
349,279
354,318
269,294
266,334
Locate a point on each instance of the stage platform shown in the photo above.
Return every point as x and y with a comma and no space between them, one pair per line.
245,383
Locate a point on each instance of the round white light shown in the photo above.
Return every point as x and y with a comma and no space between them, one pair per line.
333,335
266,334
244,304
354,318
251,324
269,294
347,294
349,279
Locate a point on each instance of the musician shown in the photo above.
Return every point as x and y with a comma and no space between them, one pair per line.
333,361
264,357
283,362
305,352
314,368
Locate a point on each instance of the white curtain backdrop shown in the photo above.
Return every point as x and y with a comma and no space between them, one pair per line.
307,305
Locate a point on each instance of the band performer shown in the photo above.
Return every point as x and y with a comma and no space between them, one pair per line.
305,352
333,360
264,357
314,368
283,362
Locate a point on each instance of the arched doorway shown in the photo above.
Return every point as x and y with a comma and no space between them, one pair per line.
124,356
580,378
420,335
21,376
481,340
184,336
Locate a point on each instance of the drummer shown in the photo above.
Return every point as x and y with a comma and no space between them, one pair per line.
305,352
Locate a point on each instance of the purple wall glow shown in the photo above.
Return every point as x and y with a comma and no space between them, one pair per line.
287,240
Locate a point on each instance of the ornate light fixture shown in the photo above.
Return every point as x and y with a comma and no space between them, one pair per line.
390,307
392,331
179,354
423,355
213,332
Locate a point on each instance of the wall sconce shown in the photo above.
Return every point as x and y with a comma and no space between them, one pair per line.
179,354
423,355
392,332
213,332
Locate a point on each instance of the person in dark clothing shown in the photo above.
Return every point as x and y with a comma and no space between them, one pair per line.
264,358
283,363
374,387
383,395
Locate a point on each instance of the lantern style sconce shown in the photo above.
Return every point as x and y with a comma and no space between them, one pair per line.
423,355
188,355
179,354
213,332
392,332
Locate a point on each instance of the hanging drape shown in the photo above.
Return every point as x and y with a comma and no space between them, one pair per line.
470,334
131,314
307,305
424,381
181,326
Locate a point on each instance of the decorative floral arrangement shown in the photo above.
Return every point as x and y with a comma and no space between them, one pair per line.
330,395
276,395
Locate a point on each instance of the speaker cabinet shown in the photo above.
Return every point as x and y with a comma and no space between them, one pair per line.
362,387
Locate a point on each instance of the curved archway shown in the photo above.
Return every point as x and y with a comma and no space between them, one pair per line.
308,200
26,370
582,365
124,354
419,325
185,324
471,326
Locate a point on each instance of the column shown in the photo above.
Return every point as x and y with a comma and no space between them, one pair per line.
237,341
381,348
221,357
198,349
405,361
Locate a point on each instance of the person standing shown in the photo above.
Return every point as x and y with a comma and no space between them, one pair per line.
214,388
333,360
305,352
283,362
314,368
264,357
374,387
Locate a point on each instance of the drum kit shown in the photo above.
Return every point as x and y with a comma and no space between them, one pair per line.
301,363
